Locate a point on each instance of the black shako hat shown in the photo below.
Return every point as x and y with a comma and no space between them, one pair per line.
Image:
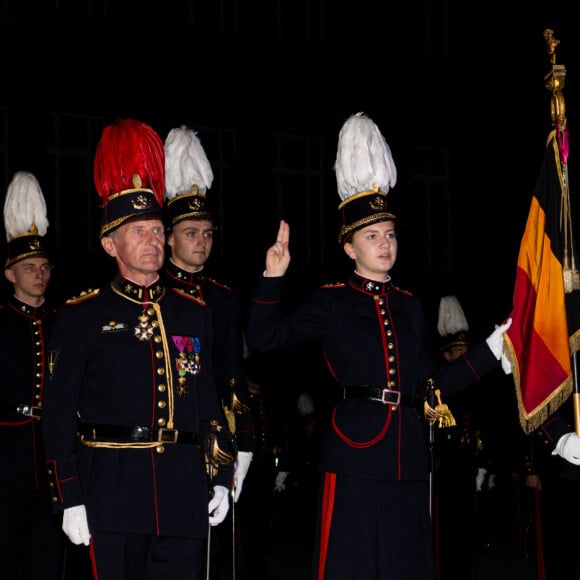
188,176
129,173
365,172
25,219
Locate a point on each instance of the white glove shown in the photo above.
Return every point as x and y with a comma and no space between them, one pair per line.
219,505
279,484
506,365
243,461
568,447
75,525
480,478
495,339
491,481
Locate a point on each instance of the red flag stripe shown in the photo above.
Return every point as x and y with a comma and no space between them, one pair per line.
537,342
547,309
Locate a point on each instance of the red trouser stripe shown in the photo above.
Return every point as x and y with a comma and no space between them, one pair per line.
326,519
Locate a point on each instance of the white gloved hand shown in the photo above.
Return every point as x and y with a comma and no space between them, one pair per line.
495,339
279,484
243,461
568,447
219,505
491,481
506,365
480,478
75,525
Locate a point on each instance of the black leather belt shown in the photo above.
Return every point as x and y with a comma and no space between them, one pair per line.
136,433
385,396
22,409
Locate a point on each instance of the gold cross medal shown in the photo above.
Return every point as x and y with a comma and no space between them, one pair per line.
144,330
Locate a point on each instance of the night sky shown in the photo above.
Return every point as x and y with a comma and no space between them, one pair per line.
485,101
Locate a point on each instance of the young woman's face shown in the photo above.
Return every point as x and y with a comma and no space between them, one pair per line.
374,250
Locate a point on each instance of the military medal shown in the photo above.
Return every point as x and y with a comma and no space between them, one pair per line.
144,330
188,361
181,371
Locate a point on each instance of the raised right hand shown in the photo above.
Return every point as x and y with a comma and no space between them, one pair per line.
278,255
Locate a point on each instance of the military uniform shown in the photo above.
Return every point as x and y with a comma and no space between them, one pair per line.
378,347
224,305
30,533
557,519
133,377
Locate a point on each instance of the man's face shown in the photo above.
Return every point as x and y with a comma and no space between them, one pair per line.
138,247
191,242
30,278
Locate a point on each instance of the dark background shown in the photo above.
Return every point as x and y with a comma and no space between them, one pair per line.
456,87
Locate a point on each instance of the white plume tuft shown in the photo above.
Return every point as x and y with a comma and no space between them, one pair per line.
451,316
363,158
186,163
24,207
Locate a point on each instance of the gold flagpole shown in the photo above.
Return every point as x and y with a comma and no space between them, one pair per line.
555,81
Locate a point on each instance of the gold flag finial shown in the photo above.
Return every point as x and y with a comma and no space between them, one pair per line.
555,81
551,43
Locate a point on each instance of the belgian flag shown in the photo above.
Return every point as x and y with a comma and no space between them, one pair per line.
544,333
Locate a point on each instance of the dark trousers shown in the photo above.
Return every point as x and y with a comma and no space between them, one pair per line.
560,509
454,518
254,525
119,556
31,539
373,529
221,539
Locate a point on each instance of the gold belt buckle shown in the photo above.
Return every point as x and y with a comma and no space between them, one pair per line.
36,412
29,411
165,435
386,392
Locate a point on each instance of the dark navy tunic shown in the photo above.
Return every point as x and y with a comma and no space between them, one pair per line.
30,534
376,335
224,304
128,356
23,334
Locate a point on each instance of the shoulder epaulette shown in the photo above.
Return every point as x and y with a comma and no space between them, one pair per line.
334,285
191,293
220,284
406,292
84,295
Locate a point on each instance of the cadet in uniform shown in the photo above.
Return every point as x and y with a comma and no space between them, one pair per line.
373,519
134,443
457,454
31,540
191,227
552,470
190,230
